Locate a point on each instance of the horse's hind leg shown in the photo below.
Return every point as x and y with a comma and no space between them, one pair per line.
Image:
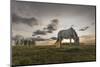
57,43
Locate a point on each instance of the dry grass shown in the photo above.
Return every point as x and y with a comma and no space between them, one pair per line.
23,55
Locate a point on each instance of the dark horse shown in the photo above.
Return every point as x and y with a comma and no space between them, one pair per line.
67,34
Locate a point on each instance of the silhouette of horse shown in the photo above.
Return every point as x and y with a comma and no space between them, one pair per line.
29,41
19,40
23,41
67,34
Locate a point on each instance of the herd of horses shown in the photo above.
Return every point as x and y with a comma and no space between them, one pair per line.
25,42
62,34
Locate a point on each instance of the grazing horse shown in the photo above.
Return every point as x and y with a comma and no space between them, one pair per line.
24,42
67,34
19,41
29,41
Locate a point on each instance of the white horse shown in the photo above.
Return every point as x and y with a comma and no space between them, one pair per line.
67,34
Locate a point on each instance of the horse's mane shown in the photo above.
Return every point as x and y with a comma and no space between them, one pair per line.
73,30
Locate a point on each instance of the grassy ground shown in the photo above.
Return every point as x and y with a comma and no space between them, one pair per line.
23,55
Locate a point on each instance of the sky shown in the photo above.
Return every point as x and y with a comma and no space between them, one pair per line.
47,19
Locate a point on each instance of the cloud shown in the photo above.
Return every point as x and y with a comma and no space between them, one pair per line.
84,28
39,32
29,21
54,38
38,38
52,26
17,36
48,29
87,27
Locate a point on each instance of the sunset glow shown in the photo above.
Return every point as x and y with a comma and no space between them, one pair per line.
67,41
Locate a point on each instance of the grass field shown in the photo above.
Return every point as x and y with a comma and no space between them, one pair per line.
24,55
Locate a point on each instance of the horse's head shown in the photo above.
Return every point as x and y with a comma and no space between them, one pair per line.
77,40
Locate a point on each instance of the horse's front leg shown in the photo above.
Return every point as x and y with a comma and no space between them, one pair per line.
60,45
70,41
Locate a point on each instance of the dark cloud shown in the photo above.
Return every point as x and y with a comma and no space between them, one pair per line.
39,32
38,38
52,26
84,28
49,29
29,21
87,27
54,38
